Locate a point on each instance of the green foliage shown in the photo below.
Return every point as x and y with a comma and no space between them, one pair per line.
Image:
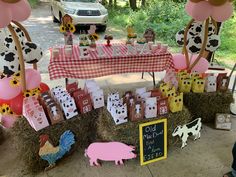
165,17
33,3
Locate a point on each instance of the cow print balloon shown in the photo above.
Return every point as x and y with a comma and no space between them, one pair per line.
180,37
9,63
195,29
213,43
194,45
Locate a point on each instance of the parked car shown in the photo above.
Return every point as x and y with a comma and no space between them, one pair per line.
83,12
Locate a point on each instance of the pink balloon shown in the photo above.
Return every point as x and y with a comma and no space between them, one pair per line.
199,11
5,16
8,92
8,120
19,11
222,13
33,78
201,66
180,63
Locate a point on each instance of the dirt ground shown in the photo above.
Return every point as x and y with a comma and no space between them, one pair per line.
208,157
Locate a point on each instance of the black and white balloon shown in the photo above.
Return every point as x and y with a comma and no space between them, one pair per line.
195,38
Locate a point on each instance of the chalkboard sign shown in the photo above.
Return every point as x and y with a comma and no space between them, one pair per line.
153,141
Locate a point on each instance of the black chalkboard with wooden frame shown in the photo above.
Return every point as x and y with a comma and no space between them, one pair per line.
153,141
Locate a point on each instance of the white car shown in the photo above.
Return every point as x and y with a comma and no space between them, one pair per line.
83,12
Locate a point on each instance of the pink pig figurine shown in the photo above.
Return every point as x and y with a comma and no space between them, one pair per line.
109,151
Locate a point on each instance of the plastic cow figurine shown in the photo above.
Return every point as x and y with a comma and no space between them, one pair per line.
210,85
136,111
109,151
98,99
151,107
185,85
162,106
198,85
176,103
192,128
119,114
69,108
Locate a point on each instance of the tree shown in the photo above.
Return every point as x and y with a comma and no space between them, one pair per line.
110,3
143,3
133,4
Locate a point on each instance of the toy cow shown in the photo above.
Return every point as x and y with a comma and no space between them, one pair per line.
109,151
192,128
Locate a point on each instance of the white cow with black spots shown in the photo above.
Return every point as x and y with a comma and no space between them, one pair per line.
192,128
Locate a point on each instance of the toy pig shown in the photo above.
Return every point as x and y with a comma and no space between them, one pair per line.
109,151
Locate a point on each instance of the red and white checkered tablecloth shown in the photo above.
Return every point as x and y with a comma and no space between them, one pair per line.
93,67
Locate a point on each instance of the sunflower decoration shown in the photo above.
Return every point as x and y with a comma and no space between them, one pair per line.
32,92
15,82
93,37
27,93
67,24
6,110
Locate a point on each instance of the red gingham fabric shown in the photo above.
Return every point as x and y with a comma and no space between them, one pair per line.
93,67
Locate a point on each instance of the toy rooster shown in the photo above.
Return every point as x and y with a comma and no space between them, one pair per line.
50,153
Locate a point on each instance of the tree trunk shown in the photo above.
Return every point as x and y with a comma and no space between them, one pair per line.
110,3
143,3
115,3
133,4
104,2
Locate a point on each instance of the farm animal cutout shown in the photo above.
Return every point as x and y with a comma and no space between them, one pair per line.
157,94
149,35
162,106
98,99
69,108
109,151
184,131
50,153
185,85
198,85
224,83
211,84
200,33
151,108
136,111
176,103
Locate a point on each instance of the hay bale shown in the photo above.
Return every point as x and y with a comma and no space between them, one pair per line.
2,137
26,139
206,105
129,132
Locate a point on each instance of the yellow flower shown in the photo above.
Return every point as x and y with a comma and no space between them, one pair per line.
62,29
5,109
71,27
35,92
14,82
27,93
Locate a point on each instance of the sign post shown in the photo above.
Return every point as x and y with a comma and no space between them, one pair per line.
153,141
